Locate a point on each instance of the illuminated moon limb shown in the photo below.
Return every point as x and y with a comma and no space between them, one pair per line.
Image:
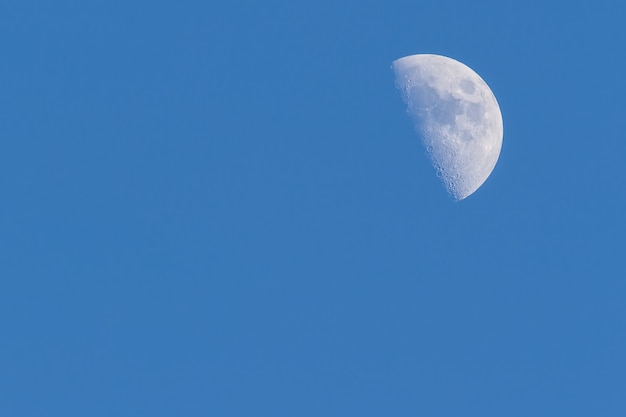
457,117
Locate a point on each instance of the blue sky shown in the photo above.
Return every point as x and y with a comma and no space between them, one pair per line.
221,209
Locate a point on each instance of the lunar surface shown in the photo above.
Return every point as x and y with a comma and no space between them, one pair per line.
457,117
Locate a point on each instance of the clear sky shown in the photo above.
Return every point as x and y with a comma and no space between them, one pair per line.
221,209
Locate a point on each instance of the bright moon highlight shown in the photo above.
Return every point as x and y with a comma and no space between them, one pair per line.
457,117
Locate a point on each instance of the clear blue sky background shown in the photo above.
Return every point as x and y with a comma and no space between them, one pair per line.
221,209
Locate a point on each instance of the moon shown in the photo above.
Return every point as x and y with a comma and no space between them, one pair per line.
457,116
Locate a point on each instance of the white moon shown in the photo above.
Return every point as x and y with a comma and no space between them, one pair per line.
457,116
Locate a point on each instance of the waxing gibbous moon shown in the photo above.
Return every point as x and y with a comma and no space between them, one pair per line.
457,117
